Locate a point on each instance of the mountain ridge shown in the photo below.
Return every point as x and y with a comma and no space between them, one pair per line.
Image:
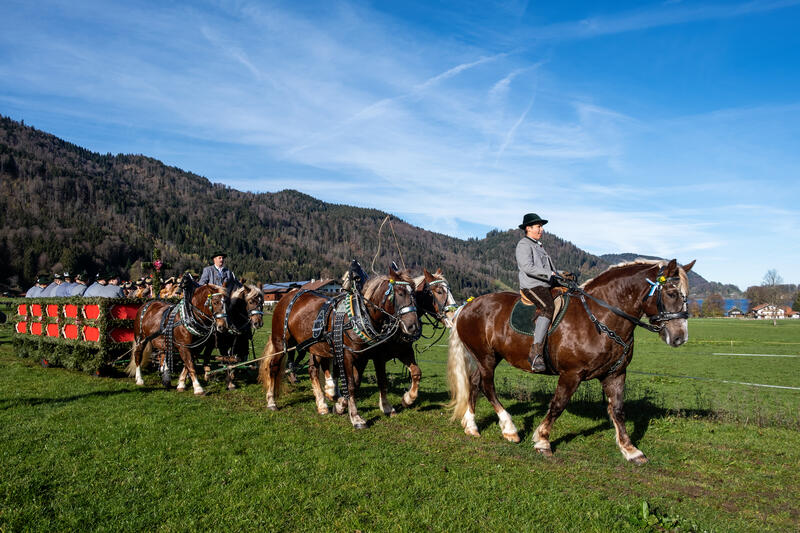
65,207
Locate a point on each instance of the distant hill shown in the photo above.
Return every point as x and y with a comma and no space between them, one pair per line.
64,207
698,285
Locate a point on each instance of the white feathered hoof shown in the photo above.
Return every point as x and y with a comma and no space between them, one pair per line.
340,406
408,401
638,459
472,432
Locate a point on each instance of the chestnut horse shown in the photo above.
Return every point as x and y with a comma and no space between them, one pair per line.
435,301
185,327
245,315
594,340
388,311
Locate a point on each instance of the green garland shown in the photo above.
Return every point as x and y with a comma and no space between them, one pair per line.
78,354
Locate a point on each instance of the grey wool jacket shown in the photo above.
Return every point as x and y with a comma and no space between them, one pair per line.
535,265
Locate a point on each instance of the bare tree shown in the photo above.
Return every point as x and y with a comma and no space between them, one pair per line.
772,293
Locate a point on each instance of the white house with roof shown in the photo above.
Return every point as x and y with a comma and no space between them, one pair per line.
770,312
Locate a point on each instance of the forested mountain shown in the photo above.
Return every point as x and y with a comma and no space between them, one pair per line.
64,207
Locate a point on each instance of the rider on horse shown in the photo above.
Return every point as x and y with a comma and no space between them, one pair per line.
536,275
218,273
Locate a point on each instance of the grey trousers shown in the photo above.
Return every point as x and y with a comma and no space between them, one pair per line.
544,301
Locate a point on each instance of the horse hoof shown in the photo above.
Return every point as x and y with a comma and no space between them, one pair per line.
393,413
360,425
180,389
323,411
231,386
472,432
199,393
639,459
545,452
292,378
511,437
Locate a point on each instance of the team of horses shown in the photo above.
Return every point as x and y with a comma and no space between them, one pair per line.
592,338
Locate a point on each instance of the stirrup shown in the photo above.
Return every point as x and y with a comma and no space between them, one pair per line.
537,359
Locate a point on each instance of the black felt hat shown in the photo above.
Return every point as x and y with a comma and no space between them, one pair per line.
43,280
218,253
531,219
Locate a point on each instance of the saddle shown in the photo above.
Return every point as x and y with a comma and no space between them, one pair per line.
524,312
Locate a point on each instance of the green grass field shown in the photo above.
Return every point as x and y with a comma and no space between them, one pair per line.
87,453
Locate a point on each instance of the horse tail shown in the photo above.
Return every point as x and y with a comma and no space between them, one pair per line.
460,366
270,354
147,351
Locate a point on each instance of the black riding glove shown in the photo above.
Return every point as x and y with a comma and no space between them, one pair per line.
569,276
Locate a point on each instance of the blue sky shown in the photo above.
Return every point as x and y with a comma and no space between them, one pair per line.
665,128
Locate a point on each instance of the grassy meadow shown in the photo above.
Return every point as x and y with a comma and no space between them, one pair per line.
98,453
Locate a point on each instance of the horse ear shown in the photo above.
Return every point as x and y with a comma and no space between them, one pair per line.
687,268
428,276
672,267
438,272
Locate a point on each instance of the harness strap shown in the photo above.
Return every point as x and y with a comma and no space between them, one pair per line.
338,352
602,328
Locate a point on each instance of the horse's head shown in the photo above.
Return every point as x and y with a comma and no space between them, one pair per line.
665,303
434,297
392,303
246,308
402,303
213,301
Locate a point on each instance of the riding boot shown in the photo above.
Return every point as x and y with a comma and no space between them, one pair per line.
536,357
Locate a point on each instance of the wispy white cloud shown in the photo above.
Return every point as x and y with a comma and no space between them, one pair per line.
668,14
344,98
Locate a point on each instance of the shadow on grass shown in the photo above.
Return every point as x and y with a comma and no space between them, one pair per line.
10,403
640,412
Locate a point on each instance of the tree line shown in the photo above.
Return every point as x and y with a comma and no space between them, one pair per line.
63,207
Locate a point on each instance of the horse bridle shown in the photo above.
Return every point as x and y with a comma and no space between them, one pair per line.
398,311
656,287
246,324
190,317
440,313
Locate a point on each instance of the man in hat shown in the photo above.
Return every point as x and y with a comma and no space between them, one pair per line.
65,288
127,289
218,273
536,275
168,288
50,290
113,290
38,287
96,288
79,287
